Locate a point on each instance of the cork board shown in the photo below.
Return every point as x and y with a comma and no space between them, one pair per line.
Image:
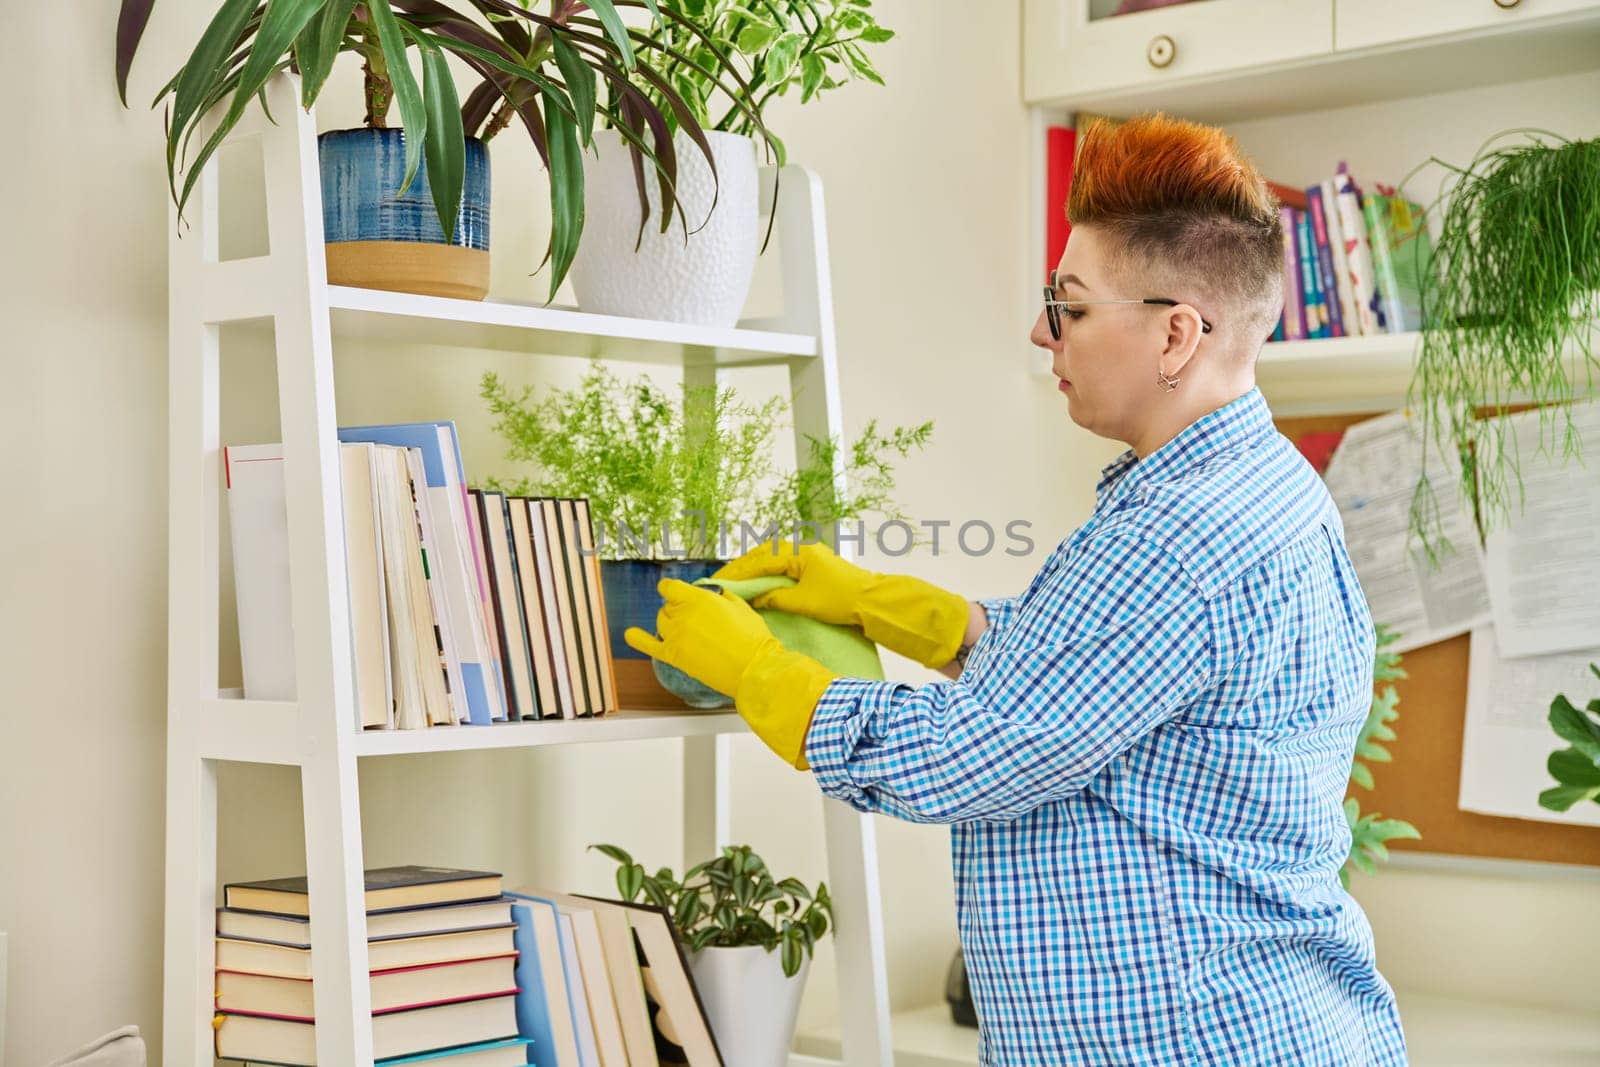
1422,783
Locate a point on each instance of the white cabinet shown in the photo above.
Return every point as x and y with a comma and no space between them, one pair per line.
1075,47
1365,23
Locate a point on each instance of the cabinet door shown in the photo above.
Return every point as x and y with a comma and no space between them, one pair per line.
1073,48
1364,23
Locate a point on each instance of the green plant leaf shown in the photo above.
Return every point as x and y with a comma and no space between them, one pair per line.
580,81
1571,767
756,36
413,114
197,78
1575,727
877,34
611,851
131,21
445,149
318,46
630,880
791,956
1361,775
781,58
566,190
606,12
1563,797
812,72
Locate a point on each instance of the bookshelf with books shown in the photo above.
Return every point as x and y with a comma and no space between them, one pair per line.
1359,103
325,722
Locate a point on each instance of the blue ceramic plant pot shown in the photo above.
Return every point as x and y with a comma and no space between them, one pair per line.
632,600
379,238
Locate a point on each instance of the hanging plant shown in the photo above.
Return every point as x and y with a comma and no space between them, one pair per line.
1509,305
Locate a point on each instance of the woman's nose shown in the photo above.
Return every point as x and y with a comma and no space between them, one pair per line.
1041,333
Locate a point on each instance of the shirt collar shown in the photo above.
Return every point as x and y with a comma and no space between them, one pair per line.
1234,423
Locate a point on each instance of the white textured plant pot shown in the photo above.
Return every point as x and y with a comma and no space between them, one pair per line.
751,1005
703,279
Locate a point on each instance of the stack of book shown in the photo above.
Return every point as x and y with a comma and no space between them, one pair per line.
465,607
442,951
464,973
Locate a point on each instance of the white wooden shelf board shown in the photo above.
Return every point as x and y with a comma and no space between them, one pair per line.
373,314
625,725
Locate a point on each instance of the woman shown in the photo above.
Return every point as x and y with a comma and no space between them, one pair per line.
1143,756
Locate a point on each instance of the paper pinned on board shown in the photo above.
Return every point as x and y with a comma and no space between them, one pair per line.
1543,562
1508,738
1372,477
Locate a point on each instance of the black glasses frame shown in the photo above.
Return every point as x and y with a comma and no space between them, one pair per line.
1052,314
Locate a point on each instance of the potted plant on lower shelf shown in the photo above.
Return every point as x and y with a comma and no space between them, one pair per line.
408,209
677,485
750,939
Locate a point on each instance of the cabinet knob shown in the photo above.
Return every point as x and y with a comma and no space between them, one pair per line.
1162,49
1507,4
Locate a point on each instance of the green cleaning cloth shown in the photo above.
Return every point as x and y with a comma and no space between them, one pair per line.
844,649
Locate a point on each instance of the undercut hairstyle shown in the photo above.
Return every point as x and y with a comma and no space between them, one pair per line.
1183,209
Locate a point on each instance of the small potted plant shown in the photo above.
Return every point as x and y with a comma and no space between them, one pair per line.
696,265
1575,768
677,485
407,209
750,939
1513,294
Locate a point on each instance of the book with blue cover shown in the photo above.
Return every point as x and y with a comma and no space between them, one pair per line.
513,1050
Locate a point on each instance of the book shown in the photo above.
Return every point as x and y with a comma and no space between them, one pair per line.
1316,310
258,524
509,1052
442,505
294,961
387,888
595,586
369,608
1288,196
403,922
678,1017
293,1042
560,624
509,621
1358,253
1341,268
1294,306
621,952
418,660
480,560
1061,144
577,993
578,590
538,607
1402,254
394,989
1327,280
543,1008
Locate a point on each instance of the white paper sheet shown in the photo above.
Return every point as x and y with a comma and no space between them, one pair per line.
1508,737
1372,477
1543,562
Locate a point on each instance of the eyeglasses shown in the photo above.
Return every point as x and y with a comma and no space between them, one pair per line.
1052,314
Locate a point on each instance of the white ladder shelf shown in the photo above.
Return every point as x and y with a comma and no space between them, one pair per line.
318,732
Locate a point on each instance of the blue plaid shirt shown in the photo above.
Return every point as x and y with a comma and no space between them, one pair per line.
1143,765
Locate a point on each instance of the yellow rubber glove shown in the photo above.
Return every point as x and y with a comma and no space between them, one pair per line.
718,639
903,614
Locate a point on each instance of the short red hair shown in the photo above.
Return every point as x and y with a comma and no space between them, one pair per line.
1184,206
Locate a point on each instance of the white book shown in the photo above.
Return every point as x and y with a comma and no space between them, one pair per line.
432,554
414,663
258,521
466,586
1358,249
369,626
558,617
1341,266
588,1049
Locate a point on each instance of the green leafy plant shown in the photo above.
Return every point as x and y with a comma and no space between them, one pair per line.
1370,831
779,45
1512,295
544,70
691,465
1576,767
732,902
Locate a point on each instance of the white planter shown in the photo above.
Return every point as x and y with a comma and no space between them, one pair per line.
751,1005
702,278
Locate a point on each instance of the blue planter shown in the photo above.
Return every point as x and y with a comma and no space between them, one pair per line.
380,238
632,600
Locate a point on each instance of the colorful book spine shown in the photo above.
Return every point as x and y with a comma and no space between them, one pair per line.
1327,278
1310,284
1358,254
1402,254
1293,325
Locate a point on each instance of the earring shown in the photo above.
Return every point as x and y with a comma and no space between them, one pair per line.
1167,384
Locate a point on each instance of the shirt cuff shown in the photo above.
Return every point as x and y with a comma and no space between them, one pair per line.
852,712
999,611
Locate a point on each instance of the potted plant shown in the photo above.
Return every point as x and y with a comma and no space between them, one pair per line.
407,208
677,485
1512,294
696,266
1577,767
750,939
1370,832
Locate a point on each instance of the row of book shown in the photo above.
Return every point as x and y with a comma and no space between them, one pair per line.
464,973
466,607
1353,261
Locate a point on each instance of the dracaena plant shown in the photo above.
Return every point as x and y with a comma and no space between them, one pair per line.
542,69
732,901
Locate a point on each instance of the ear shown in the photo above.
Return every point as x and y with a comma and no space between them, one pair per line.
1183,338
